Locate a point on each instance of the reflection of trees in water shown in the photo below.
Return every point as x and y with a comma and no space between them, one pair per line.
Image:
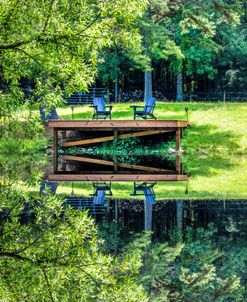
229,216
55,252
26,169
200,266
38,236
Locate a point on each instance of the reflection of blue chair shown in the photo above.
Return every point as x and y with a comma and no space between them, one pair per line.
94,204
100,111
146,111
145,189
150,197
99,198
101,190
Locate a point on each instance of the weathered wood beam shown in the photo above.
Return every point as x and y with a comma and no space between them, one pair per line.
55,150
115,124
178,138
178,164
111,163
117,177
112,137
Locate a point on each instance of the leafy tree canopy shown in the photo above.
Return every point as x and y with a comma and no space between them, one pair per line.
56,43
166,22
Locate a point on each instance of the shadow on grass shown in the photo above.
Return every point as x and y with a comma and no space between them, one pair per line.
207,166
209,138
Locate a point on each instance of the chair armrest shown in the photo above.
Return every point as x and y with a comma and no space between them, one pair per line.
109,106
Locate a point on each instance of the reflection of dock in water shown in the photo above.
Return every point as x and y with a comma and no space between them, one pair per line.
143,211
143,172
85,168
93,169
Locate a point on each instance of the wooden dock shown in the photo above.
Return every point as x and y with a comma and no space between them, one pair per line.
118,129
108,130
91,125
116,177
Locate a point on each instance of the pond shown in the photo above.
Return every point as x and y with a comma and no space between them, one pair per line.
181,218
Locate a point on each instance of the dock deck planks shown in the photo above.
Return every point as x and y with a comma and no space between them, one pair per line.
117,177
116,124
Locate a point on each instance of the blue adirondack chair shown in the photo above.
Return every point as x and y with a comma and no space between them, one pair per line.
146,111
145,189
100,109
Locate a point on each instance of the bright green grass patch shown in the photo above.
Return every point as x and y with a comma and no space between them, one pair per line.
215,149
228,181
216,127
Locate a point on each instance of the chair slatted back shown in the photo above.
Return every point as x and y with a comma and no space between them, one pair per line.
149,102
100,103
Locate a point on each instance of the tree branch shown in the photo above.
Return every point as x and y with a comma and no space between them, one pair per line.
16,256
27,54
48,16
92,22
48,283
15,44
92,278
42,39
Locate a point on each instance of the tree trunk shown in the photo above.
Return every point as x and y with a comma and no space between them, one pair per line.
179,95
116,90
147,85
28,87
148,213
179,210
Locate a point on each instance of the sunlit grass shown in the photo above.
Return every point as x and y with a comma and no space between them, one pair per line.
216,127
215,152
213,145
227,182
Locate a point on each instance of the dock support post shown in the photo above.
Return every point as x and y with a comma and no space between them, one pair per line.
178,136
115,161
115,165
178,165
116,211
55,150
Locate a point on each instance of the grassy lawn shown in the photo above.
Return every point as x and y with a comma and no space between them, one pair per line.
215,149
216,127
228,182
